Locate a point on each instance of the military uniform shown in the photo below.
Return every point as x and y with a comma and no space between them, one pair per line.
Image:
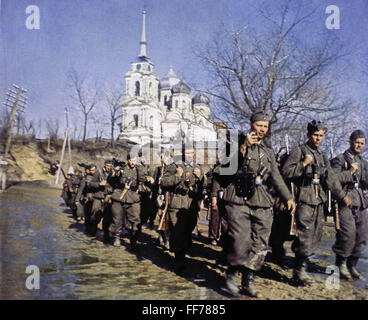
98,205
184,205
148,211
351,239
75,183
130,204
310,211
250,220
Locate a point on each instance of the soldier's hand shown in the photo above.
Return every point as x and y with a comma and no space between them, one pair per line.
103,183
251,138
347,201
179,171
214,204
291,206
307,160
354,167
197,172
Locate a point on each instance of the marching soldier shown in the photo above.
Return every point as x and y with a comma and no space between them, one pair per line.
309,168
161,201
97,186
131,200
145,190
65,194
117,184
74,188
185,181
248,204
81,197
351,238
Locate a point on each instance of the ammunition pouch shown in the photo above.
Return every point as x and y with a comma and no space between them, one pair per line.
245,185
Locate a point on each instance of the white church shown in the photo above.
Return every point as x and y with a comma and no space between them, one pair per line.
157,110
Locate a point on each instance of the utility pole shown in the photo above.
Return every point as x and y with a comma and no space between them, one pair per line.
66,140
17,102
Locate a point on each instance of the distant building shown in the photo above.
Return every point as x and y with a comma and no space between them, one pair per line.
154,107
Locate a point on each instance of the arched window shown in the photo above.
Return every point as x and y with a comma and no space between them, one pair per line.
150,122
137,88
176,103
150,88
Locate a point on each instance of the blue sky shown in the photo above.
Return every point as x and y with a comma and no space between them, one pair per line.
102,38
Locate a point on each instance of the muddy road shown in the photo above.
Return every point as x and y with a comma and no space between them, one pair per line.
37,229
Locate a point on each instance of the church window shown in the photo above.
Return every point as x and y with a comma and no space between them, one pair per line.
137,88
138,66
176,103
150,88
136,120
165,100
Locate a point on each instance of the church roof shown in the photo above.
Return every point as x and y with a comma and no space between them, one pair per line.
181,87
200,98
169,80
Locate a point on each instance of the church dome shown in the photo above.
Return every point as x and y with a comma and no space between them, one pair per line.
169,80
181,87
200,98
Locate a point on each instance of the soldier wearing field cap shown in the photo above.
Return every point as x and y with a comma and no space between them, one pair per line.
309,168
248,203
351,238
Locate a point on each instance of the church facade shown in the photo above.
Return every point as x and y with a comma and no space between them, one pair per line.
162,110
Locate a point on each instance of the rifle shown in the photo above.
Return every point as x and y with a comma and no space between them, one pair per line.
164,221
336,205
293,228
126,188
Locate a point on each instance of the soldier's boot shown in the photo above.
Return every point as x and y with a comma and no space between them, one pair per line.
351,263
248,286
117,241
133,240
300,272
231,282
341,263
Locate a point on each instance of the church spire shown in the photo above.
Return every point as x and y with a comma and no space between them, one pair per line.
143,41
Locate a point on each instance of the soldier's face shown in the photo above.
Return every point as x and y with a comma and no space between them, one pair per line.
92,170
189,155
131,162
317,137
108,167
260,128
357,145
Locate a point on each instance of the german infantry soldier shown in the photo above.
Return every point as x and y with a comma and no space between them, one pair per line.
248,204
185,181
97,186
351,239
117,184
145,187
309,168
75,185
131,200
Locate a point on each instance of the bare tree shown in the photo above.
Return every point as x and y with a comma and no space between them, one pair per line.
53,127
274,71
84,94
114,100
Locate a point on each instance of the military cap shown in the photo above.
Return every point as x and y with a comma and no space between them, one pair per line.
315,125
108,161
357,134
259,115
92,166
